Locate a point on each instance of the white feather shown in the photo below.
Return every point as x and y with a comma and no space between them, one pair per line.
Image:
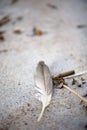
44,85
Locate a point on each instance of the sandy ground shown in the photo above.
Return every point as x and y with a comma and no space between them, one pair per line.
63,47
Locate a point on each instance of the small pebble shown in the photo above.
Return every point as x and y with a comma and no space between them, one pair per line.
17,30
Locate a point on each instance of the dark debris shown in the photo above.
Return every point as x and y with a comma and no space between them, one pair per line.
2,38
85,95
59,83
52,6
74,81
17,30
14,1
4,20
85,107
37,32
79,85
19,18
81,26
82,79
3,51
85,126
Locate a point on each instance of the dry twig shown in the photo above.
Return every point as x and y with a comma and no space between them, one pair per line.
76,75
4,20
75,93
64,74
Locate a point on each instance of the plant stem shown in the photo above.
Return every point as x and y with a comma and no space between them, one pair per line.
64,74
75,93
76,75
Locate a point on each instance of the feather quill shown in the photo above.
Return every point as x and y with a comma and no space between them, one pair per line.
44,85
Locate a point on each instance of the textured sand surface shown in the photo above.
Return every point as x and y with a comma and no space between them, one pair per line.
63,46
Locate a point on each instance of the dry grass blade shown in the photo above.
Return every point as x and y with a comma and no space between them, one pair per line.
75,93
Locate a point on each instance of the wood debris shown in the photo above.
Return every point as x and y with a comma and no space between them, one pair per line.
37,31
64,74
52,6
85,126
2,38
76,75
17,30
74,81
85,107
26,123
19,18
59,82
3,128
83,82
68,88
14,1
79,85
4,20
3,51
82,79
81,26
2,32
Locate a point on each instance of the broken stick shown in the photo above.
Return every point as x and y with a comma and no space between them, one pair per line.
64,74
75,93
76,75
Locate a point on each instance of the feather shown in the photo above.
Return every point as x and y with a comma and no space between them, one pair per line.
44,85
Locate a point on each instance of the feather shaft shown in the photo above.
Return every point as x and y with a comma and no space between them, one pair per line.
41,114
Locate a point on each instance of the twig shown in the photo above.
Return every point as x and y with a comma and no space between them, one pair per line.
5,50
76,75
4,20
75,93
64,74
